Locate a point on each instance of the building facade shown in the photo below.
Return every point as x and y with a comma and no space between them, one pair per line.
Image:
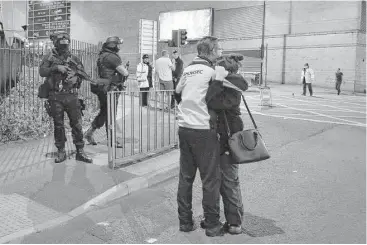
327,35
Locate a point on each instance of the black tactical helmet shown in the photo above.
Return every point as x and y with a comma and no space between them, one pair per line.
113,42
60,39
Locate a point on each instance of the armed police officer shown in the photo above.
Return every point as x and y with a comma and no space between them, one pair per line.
62,96
111,74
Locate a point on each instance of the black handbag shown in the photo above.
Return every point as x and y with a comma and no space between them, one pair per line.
247,146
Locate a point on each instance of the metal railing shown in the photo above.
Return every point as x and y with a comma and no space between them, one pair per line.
139,129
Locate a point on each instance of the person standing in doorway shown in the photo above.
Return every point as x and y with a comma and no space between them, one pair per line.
144,72
308,77
177,73
338,80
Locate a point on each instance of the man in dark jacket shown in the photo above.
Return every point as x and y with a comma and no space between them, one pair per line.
223,99
63,95
338,80
110,72
177,73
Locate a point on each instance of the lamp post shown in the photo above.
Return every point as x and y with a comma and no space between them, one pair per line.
262,45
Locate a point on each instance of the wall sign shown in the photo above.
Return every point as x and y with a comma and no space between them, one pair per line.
45,18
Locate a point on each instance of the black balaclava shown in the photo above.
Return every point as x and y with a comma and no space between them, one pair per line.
61,42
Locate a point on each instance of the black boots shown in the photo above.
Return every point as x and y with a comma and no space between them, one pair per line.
81,156
89,136
61,155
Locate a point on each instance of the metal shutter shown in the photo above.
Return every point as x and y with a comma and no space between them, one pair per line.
239,22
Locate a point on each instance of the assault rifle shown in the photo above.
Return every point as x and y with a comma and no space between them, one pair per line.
77,70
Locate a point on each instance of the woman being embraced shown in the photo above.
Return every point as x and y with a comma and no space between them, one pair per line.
223,101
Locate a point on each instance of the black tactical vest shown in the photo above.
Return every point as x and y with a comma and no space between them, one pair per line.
104,70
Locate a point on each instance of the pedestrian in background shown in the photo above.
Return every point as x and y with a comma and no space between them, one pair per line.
144,72
338,80
177,73
308,77
163,69
198,141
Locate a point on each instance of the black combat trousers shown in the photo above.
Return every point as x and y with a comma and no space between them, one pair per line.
230,190
199,149
101,118
61,102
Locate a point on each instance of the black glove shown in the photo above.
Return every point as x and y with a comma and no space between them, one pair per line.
82,106
48,108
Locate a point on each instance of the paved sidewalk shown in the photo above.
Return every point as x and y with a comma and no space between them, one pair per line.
57,193
35,190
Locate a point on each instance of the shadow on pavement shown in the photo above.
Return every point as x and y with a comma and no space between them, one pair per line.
256,226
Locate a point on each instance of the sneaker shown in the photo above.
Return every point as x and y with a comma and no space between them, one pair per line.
212,232
203,224
234,229
215,231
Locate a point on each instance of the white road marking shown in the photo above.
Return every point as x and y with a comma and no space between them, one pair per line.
343,102
342,109
323,115
353,117
331,110
310,120
354,106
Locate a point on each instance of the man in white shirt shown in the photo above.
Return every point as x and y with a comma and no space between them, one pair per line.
163,74
164,68
198,141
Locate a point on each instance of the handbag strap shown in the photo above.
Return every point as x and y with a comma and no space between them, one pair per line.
249,112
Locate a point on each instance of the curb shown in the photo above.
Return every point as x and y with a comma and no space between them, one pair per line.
123,189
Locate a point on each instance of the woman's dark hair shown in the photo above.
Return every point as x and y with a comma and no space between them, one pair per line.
230,62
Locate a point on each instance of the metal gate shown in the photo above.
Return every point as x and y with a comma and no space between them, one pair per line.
140,130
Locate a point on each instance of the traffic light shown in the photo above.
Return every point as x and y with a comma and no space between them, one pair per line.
174,41
183,36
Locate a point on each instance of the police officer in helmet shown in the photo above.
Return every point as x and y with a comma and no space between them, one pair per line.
63,87
111,74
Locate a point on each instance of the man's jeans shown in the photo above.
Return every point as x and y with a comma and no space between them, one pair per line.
230,190
338,85
199,149
309,88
